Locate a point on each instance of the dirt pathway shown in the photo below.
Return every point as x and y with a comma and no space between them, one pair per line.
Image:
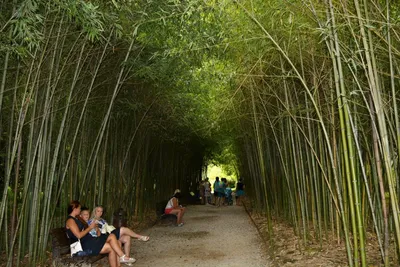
211,236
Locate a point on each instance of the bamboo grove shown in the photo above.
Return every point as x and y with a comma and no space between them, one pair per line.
86,114
121,102
322,102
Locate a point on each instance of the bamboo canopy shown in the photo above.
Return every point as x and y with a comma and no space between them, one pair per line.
122,102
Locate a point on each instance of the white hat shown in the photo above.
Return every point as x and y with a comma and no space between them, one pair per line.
177,191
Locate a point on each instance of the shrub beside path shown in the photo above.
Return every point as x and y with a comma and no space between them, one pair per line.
211,236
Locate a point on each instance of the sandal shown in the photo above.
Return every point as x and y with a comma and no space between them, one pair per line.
125,259
144,238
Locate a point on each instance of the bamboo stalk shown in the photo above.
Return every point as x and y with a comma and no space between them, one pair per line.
377,101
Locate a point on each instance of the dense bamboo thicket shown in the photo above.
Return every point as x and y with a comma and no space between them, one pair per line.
323,127
121,102
88,112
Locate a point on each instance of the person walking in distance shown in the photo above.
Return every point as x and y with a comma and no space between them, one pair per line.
207,191
239,192
216,188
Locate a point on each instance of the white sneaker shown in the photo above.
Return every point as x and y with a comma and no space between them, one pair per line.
125,259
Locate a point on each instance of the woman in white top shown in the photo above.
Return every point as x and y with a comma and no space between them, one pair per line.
173,207
123,234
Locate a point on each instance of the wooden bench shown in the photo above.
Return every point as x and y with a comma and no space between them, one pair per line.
165,218
62,254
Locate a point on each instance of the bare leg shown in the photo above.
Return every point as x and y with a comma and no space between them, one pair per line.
179,217
126,240
112,256
218,201
183,210
112,241
179,213
121,244
129,232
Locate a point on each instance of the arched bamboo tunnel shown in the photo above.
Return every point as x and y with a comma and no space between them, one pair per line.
121,102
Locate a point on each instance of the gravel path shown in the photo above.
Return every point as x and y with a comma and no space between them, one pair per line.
211,236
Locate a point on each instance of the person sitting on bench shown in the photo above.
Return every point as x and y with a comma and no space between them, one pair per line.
173,207
93,245
85,215
123,234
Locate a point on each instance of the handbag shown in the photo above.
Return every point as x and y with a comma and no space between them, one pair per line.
76,247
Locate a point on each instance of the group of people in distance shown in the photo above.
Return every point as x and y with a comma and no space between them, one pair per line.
93,237
223,194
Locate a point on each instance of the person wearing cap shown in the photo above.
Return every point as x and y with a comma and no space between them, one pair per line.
173,207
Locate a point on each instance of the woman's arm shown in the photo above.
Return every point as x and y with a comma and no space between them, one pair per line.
71,225
175,203
98,231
